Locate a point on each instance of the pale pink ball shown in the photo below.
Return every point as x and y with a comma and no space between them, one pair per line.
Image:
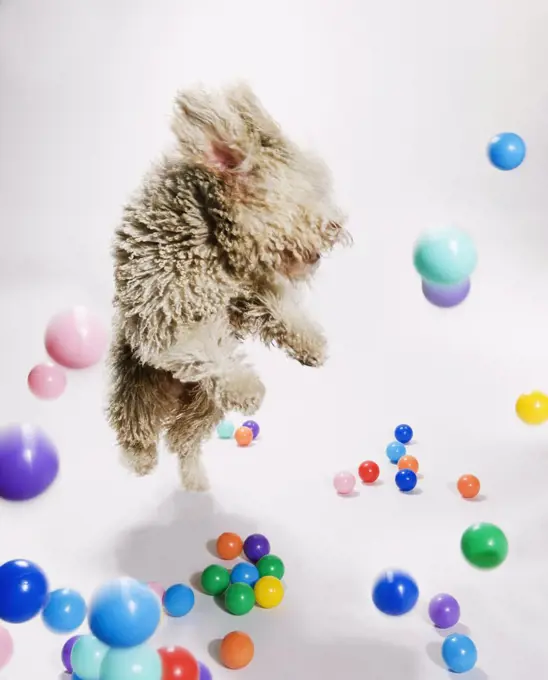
344,482
47,381
157,588
76,338
6,647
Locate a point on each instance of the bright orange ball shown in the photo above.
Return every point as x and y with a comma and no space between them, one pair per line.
468,486
408,463
243,436
237,650
229,546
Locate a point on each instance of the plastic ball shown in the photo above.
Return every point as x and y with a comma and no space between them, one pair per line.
444,611
532,408
506,151
225,429
6,647
178,664
269,592
215,580
344,483
137,663
271,565
76,338
157,588
243,436
237,650
459,653
395,593
468,486
408,463
395,451
256,546
446,296
47,381
369,472
403,434
253,426
205,673
67,651
245,573
484,545
29,462
446,256
178,600
406,480
23,591
87,656
229,546
65,611
239,599
124,613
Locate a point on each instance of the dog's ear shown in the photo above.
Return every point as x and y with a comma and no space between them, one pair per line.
245,102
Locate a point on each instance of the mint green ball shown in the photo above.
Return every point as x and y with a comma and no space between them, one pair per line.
225,429
87,657
446,256
133,663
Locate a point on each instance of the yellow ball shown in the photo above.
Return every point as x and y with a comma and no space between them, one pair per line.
269,592
533,408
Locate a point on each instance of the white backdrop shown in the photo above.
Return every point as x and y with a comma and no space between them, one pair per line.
401,98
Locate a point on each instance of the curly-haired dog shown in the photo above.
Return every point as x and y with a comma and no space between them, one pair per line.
209,252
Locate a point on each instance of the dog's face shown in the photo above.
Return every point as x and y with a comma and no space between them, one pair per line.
277,215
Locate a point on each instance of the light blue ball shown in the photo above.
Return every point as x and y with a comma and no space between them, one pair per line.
459,653
124,613
395,451
178,600
87,656
506,151
446,256
65,611
137,663
225,429
244,572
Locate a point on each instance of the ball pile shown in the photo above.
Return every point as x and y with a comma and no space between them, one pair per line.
244,435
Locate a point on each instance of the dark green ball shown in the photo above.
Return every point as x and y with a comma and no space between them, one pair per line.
239,599
484,545
270,565
215,579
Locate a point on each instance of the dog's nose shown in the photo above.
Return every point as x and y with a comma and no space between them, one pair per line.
313,259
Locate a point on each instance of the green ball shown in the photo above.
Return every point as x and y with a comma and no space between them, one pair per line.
239,598
270,565
484,545
447,256
135,663
87,657
215,579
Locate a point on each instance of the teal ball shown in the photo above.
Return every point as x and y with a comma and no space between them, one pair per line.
225,429
136,663
87,657
446,256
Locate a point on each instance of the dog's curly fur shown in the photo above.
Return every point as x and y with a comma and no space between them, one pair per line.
209,252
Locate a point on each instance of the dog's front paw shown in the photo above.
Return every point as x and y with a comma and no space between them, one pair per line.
140,460
193,475
243,392
309,350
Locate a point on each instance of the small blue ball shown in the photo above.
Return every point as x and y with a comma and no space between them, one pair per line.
245,573
65,611
225,429
395,451
403,434
506,151
178,600
459,653
395,593
406,480
23,591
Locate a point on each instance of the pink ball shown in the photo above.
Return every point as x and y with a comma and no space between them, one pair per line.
157,588
76,338
344,482
47,381
6,647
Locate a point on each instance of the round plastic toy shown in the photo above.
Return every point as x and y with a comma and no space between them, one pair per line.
124,613
447,256
395,451
468,486
269,592
408,463
245,573
446,296
403,434
237,650
369,472
28,462
67,651
225,429
344,483
532,408
444,611
506,151
65,611
395,593
253,426
178,664
215,580
243,436
271,565
157,588
47,381
23,591
406,480
256,546
229,546
87,656
76,338
484,545
459,653
6,647
137,663
205,673
178,600
239,599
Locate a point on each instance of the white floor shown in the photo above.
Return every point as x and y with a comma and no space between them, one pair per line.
401,98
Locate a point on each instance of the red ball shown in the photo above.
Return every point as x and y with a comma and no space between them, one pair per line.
178,664
369,472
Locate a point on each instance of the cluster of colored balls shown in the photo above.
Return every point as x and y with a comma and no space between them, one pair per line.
408,466
532,408
243,435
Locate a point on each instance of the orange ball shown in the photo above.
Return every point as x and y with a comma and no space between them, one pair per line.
229,546
408,463
243,436
468,486
237,650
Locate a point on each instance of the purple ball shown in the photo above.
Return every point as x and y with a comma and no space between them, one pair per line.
205,673
28,462
256,546
67,651
253,426
442,295
444,610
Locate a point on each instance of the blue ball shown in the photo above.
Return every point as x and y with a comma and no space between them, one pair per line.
395,593
406,480
86,657
245,573
395,451
137,663
124,613
23,591
506,151
178,600
459,653
403,434
65,611
225,429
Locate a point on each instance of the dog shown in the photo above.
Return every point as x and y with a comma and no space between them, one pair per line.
213,249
